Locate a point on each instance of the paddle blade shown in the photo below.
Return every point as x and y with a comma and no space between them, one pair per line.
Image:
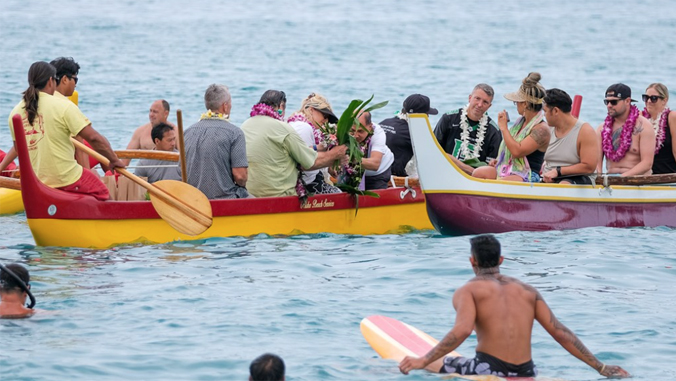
192,222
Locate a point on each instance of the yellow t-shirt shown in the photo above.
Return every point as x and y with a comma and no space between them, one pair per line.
51,152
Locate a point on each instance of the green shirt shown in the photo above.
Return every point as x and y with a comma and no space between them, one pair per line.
274,149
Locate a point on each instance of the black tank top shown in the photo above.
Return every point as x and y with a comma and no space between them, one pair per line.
535,160
664,160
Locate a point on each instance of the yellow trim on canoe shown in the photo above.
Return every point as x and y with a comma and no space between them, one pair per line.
105,233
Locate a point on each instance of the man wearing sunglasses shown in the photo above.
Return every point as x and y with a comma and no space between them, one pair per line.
626,139
66,76
66,80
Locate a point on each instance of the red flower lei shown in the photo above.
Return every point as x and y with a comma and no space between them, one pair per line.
661,131
265,110
625,141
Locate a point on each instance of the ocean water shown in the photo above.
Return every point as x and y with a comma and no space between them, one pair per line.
203,310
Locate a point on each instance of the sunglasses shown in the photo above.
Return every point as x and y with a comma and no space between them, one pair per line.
73,78
613,102
653,98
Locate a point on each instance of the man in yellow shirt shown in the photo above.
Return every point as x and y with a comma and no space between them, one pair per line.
49,123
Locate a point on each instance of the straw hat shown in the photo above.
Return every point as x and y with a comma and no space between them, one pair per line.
528,88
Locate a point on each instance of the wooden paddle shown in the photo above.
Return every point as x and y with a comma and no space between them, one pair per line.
191,214
10,183
146,154
181,146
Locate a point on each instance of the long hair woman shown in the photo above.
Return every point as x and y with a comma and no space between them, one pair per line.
523,146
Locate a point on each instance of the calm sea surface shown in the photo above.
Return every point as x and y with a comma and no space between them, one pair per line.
203,310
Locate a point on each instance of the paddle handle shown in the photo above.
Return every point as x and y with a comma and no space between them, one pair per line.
10,183
181,146
155,191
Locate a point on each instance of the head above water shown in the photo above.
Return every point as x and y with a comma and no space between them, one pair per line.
267,367
8,283
486,251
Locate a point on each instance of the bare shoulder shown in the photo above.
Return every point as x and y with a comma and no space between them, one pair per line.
587,132
646,126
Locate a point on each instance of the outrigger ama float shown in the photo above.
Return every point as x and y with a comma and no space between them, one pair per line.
58,218
459,204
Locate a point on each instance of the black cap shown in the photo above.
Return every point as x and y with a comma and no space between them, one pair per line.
619,90
418,103
328,114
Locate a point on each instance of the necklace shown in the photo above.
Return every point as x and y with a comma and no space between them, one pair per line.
660,127
464,135
213,115
625,140
265,110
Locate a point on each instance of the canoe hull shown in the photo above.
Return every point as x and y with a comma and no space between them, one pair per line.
459,204
106,232
460,214
10,201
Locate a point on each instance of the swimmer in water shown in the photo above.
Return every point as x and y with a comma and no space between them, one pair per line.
14,288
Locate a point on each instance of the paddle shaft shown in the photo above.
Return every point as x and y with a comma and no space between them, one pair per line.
181,146
10,183
186,209
146,154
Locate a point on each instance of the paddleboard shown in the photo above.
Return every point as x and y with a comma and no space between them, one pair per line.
394,340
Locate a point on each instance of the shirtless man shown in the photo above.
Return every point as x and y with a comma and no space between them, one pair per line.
635,157
469,132
14,288
501,310
141,139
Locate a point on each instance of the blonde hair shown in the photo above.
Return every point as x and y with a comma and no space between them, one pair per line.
661,90
315,101
534,92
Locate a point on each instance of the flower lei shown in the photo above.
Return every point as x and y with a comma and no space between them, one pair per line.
352,173
315,131
213,115
264,110
464,135
625,142
660,126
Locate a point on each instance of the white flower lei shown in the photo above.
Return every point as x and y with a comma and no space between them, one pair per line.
660,132
464,135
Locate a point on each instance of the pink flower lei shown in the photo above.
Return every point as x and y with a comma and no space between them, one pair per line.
265,110
625,140
315,131
660,133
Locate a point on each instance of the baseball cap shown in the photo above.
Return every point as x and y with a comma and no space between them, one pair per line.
619,90
418,103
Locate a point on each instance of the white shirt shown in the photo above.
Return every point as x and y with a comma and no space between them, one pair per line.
306,133
378,143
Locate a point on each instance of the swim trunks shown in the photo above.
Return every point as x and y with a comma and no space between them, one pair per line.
484,364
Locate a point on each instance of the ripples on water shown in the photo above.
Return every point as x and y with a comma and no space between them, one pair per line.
204,310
